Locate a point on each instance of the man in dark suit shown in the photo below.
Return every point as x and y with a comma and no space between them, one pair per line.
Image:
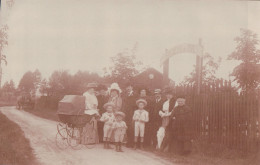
129,107
155,119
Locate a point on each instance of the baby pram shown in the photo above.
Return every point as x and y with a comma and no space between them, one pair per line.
72,130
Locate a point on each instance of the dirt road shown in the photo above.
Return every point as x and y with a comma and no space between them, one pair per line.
41,134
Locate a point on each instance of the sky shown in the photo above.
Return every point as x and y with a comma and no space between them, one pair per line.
82,35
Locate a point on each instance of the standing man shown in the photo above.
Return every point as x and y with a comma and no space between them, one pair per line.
128,107
102,99
155,119
182,127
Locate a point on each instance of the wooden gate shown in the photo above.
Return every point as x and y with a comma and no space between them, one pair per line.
224,116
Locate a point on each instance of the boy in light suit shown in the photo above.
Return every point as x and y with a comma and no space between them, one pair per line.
108,119
141,116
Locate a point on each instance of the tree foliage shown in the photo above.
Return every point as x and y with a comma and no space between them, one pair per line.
30,81
3,43
9,87
209,69
247,73
62,82
124,66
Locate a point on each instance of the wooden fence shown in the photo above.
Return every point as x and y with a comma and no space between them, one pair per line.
224,116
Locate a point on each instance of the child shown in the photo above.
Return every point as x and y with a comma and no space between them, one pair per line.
119,127
108,119
140,117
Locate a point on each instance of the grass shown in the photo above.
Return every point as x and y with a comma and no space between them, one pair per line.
213,155
14,147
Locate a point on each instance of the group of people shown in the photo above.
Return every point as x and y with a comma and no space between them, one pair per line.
159,120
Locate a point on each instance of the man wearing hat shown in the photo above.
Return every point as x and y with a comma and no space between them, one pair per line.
129,106
182,127
155,119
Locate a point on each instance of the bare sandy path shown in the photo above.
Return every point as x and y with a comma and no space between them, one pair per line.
41,134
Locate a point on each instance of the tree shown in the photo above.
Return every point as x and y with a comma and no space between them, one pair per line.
246,74
9,87
60,83
3,43
80,80
125,66
30,81
44,87
210,66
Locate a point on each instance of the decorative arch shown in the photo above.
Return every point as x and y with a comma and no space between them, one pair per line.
196,49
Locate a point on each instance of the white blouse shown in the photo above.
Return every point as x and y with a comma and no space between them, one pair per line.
91,101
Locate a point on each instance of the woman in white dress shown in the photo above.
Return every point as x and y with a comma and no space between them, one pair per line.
91,104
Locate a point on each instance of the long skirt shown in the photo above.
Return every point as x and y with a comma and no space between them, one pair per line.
90,133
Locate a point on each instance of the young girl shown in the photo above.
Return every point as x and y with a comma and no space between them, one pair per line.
119,127
108,119
140,117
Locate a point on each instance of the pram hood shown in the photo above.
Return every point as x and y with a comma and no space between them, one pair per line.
72,105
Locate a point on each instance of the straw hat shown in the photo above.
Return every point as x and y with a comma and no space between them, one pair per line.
91,85
141,101
108,104
120,114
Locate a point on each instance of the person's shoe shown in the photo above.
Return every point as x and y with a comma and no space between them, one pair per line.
120,147
105,145
117,147
141,146
108,146
135,146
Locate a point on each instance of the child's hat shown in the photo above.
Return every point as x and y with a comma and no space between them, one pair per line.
108,104
141,101
114,86
120,114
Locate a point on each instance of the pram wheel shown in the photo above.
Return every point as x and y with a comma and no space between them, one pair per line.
74,138
61,139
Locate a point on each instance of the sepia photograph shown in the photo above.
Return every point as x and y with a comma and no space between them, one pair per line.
141,82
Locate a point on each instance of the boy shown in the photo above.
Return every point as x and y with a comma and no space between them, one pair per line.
108,119
119,127
140,117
